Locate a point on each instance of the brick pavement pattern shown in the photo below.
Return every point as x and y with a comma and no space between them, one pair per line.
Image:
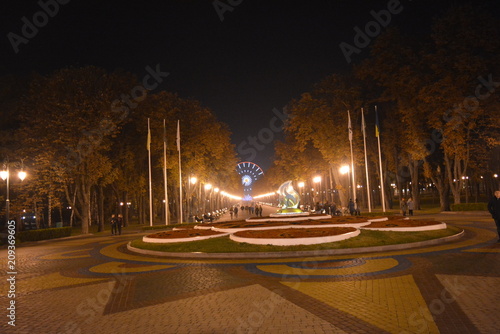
92,284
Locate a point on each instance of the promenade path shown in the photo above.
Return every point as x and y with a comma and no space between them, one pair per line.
92,284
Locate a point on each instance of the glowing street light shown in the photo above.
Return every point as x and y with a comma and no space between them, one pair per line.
193,179
344,169
5,175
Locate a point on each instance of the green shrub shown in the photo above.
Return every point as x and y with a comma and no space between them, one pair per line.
469,207
44,234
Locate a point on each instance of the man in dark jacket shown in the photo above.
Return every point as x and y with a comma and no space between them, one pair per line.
494,209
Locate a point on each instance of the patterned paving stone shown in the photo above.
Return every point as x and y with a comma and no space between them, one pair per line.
477,296
91,284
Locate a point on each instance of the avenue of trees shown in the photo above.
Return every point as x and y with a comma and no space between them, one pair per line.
81,135
439,105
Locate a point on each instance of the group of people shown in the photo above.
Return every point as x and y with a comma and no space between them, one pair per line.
253,209
116,224
407,206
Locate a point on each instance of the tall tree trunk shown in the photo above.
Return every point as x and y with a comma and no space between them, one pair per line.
440,180
49,209
61,215
415,190
102,218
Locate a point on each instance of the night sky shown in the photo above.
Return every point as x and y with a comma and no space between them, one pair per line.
259,57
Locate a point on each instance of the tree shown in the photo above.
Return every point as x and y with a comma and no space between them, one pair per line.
68,119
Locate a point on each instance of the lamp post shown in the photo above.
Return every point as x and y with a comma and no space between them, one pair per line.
216,190
345,169
192,182
317,179
5,175
207,187
301,189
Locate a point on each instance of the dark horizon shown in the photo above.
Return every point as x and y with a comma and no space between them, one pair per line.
244,68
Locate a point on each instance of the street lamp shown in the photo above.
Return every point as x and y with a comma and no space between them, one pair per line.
192,182
345,169
207,187
5,175
317,179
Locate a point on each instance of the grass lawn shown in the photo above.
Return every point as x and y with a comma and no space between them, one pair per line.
365,239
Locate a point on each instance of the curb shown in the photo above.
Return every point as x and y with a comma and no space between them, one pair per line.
327,252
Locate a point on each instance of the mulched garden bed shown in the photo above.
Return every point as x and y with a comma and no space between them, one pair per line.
403,223
295,233
187,233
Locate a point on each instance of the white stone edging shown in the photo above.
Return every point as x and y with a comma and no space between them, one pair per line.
169,240
295,241
439,226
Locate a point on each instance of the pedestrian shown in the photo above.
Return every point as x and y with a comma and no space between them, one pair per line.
357,207
113,222
403,206
260,210
352,209
411,206
231,212
236,212
494,209
119,223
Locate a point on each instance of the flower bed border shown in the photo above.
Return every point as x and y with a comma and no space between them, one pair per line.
172,240
295,241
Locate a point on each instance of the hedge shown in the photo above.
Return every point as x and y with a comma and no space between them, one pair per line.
44,234
163,227
469,207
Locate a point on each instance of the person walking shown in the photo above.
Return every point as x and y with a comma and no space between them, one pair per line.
119,223
494,209
236,212
351,207
411,206
113,222
403,206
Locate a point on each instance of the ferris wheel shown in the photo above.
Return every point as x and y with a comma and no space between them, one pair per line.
249,173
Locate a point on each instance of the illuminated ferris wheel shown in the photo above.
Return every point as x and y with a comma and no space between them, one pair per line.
249,173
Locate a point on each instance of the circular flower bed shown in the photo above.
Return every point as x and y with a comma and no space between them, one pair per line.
182,235
295,236
405,225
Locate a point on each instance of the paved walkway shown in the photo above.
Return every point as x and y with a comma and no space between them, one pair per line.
93,284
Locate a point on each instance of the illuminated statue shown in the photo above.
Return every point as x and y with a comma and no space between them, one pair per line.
288,197
288,201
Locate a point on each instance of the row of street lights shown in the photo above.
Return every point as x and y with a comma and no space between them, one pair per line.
318,180
209,191
5,175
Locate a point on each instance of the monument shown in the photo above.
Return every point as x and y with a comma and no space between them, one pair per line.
289,200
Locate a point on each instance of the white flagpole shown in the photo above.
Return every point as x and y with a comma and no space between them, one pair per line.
165,171
377,133
352,158
366,161
180,170
150,182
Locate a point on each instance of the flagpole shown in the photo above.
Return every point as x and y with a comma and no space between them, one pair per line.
366,160
377,133
352,158
165,170
180,170
150,182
